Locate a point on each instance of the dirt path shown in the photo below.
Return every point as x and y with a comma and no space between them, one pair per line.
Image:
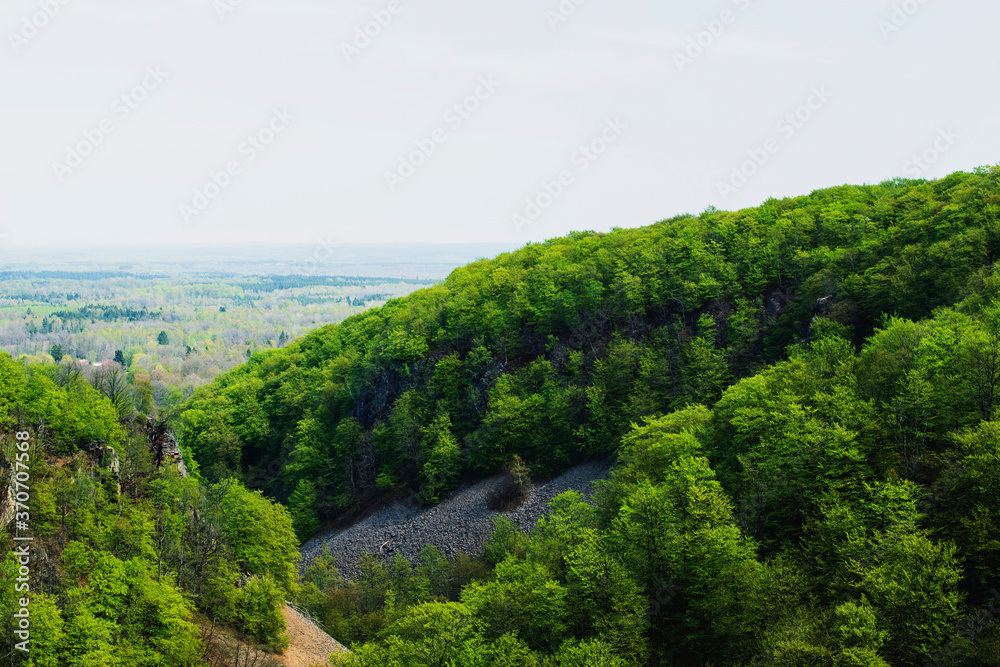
309,645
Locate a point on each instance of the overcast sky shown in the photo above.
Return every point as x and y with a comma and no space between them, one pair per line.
280,121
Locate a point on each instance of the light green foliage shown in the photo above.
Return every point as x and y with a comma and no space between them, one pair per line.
524,599
47,632
593,653
553,351
556,536
259,605
605,600
122,560
858,634
439,644
87,642
437,628
912,585
122,605
443,460
302,507
260,533
648,451
506,540
12,386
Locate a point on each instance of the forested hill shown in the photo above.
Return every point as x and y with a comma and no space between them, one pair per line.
111,556
552,351
800,399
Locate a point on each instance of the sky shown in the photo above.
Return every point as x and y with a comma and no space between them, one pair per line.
438,121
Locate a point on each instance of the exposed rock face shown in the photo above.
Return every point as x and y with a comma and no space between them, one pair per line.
823,306
99,452
777,302
164,445
7,506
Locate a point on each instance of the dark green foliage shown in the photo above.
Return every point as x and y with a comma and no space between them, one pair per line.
837,508
801,398
507,540
107,313
551,352
443,460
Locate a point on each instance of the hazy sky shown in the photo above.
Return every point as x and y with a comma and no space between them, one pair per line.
193,121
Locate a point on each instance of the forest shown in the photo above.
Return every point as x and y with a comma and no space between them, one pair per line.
131,563
799,397
800,400
173,333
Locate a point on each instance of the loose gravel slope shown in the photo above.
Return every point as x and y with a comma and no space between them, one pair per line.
460,524
308,644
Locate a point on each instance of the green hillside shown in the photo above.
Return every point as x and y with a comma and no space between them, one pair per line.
800,400
121,563
553,351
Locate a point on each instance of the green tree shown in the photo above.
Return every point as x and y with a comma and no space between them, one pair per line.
259,611
259,532
523,600
443,460
911,583
506,540
302,507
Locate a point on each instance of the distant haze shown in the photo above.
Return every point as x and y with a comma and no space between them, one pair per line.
228,122
393,260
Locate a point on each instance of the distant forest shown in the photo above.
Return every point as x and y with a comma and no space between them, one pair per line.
173,333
